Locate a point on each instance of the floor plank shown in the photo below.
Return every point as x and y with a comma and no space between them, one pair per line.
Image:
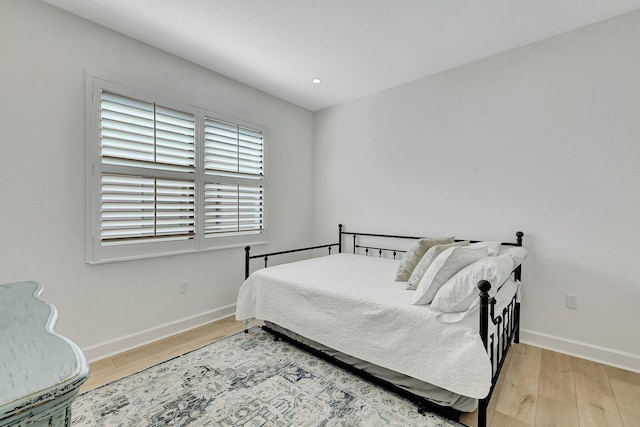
592,377
598,410
622,375
597,405
502,420
556,413
628,397
557,378
519,395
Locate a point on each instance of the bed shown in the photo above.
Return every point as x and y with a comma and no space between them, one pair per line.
441,345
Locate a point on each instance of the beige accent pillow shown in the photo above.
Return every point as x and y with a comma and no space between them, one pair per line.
415,254
426,261
492,246
442,269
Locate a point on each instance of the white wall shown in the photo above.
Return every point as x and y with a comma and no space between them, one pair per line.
104,308
543,139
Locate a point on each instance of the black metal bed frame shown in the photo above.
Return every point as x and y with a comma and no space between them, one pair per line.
497,344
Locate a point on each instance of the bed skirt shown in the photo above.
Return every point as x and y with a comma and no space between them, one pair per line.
425,390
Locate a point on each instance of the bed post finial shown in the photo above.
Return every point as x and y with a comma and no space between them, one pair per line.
518,271
484,287
246,262
339,238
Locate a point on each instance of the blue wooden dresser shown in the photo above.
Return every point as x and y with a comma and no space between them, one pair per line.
40,371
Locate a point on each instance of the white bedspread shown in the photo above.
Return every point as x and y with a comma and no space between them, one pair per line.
351,303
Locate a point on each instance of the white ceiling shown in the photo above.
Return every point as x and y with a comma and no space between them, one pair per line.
357,47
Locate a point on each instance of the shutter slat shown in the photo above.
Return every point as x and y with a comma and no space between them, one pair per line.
125,101
173,115
221,153
132,146
162,135
146,165
128,128
126,234
126,207
125,225
124,137
175,145
127,154
119,118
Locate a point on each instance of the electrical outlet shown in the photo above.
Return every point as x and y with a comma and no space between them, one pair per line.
184,287
572,301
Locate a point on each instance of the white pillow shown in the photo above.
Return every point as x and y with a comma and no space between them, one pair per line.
517,254
492,246
503,298
460,292
442,268
413,255
426,261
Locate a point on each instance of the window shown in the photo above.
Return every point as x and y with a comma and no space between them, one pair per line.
167,178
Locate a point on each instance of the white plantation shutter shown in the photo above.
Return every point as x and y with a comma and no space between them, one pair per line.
140,208
149,144
235,155
165,177
232,208
142,134
233,150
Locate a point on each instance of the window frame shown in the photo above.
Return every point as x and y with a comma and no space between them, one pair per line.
95,251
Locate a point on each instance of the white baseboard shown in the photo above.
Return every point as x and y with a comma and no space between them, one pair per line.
606,356
128,342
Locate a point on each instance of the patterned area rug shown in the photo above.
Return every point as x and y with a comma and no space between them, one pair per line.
246,380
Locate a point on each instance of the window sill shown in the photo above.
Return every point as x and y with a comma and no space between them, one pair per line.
166,254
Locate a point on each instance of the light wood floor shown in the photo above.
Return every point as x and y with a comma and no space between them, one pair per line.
537,388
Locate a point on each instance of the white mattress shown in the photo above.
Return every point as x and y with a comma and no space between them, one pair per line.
352,303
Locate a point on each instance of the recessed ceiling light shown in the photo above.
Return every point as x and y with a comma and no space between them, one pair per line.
316,81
